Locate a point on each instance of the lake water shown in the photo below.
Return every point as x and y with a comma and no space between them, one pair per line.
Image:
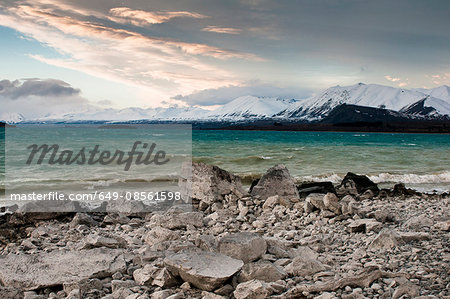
420,161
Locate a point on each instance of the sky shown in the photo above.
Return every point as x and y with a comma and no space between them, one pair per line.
158,53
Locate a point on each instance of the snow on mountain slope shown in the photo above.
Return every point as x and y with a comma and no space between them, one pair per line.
251,107
368,95
127,114
418,103
441,92
11,117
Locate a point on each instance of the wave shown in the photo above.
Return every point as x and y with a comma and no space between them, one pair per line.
382,178
411,178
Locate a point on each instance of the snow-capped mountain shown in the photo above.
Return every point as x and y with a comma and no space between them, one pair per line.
11,117
366,95
248,107
402,103
130,114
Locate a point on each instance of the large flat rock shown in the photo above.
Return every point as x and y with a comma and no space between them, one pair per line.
205,270
35,271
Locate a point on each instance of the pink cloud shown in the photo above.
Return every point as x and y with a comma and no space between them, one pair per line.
387,77
143,18
225,30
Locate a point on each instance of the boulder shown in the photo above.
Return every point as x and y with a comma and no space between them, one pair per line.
271,202
354,184
261,270
304,189
316,200
42,270
276,181
160,234
386,239
331,203
245,246
209,184
204,270
253,289
365,226
82,218
418,222
305,263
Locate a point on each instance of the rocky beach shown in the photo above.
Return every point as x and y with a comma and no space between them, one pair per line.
279,239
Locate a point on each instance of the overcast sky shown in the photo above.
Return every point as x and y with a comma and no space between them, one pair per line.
151,53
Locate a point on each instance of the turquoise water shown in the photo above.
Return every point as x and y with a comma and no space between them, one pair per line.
421,161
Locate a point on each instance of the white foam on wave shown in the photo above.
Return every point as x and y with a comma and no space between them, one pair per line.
439,179
411,178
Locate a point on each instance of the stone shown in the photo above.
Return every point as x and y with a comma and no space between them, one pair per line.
354,184
126,284
348,204
6,292
277,247
316,199
42,270
82,218
271,202
209,184
261,270
386,239
164,279
82,285
365,225
177,220
304,265
204,270
160,234
331,203
418,222
276,181
163,294
94,241
415,236
253,289
245,246
444,226
145,275
304,189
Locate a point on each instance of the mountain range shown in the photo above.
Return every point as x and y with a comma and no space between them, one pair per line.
359,102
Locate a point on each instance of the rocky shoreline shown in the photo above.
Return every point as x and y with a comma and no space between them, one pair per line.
277,240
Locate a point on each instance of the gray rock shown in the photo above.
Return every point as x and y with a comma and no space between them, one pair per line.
316,199
276,181
82,218
160,234
35,271
253,289
444,225
177,220
418,222
245,246
386,239
365,225
209,184
331,203
94,241
204,270
415,236
271,202
261,270
305,263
